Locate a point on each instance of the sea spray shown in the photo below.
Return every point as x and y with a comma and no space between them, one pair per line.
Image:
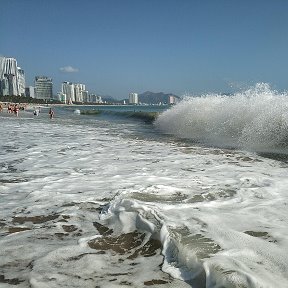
255,119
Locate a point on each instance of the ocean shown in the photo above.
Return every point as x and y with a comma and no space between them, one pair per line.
197,198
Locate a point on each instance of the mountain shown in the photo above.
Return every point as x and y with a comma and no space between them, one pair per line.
147,97
110,100
156,98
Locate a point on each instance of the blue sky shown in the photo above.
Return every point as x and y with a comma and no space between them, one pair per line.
121,46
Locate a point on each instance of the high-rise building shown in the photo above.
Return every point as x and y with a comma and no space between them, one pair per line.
43,87
30,91
85,96
79,88
12,78
21,81
73,92
68,90
133,98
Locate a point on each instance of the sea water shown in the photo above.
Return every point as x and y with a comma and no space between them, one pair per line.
196,199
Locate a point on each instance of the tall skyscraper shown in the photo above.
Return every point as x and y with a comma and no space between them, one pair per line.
12,78
43,88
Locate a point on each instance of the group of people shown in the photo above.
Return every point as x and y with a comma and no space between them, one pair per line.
15,108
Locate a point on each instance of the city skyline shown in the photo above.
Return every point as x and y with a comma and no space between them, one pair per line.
13,83
118,47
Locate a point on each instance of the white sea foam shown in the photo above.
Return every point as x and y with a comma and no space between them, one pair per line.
221,215
256,119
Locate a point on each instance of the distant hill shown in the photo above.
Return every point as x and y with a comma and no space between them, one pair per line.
155,98
146,98
109,99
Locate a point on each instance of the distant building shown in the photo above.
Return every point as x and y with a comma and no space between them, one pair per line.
95,99
43,88
133,98
12,78
74,92
85,96
30,91
68,89
61,97
21,81
172,99
79,88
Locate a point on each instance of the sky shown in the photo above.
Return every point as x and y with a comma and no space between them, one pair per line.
173,46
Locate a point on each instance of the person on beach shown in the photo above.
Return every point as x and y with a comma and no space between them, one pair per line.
51,113
1,107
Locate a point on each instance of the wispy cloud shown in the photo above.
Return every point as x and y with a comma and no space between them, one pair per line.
69,69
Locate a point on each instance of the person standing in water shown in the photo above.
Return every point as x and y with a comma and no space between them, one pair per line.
51,113
16,110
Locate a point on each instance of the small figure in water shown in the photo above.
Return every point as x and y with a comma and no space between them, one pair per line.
36,112
51,113
16,110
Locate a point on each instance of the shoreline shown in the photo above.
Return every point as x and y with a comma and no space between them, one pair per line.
27,112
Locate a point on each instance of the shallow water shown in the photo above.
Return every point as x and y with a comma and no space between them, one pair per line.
98,202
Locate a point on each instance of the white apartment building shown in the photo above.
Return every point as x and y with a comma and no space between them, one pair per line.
79,89
21,81
12,78
68,89
85,96
74,92
172,99
133,98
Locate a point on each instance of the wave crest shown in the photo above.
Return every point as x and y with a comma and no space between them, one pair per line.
255,119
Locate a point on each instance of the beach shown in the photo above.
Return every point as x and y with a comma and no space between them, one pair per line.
111,201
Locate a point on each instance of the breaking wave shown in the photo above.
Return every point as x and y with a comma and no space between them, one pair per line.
256,119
